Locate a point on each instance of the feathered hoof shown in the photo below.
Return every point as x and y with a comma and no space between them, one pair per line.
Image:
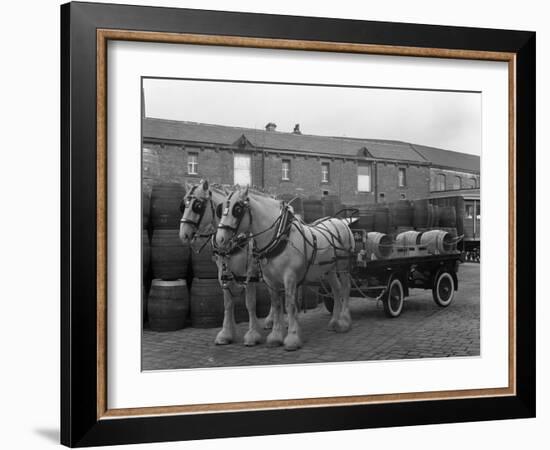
292,342
275,339
224,338
268,323
342,326
332,325
252,337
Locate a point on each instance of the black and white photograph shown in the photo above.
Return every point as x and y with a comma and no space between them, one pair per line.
302,224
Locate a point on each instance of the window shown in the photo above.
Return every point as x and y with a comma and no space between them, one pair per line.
325,173
473,183
364,177
469,211
285,168
241,170
193,163
440,182
401,177
457,184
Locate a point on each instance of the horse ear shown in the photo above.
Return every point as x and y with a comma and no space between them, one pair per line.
205,185
225,190
245,193
188,186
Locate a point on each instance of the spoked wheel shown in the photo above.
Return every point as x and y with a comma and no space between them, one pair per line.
444,289
393,299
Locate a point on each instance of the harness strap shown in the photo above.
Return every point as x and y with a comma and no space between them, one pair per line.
311,259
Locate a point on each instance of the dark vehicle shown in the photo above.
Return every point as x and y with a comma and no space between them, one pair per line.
468,207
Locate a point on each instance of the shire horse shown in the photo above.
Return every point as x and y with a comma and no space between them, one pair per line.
234,268
290,253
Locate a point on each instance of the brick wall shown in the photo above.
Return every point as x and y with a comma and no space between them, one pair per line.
467,179
216,165
417,181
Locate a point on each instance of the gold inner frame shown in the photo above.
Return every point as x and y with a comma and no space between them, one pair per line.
103,36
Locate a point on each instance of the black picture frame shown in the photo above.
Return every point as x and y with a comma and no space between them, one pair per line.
80,425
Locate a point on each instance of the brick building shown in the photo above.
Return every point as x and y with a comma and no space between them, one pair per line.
356,170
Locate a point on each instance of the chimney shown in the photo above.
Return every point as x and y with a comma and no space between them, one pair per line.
271,126
297,129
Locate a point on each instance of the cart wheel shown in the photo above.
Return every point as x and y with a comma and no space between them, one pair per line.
393,299
444,289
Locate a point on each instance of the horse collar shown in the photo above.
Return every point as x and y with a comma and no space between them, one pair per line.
280,240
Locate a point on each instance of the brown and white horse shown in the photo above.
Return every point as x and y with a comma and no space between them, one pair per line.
199,219
291,253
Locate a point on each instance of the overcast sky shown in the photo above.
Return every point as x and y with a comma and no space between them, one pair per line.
448,120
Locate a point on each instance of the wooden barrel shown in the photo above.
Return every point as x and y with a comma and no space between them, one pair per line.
408,238
206,303
143,304
422,212
298,206
145,252
150,164
435,216
313,210
165,205
381,220
379,244
438,242
447,216
331,205
310,297
168,305
145,206
203,263
169,257
401,214
430,215
451,230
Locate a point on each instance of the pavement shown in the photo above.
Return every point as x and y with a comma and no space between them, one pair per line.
423,330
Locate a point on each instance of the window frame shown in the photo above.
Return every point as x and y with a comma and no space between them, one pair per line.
402,170
369,166
327,165
288,176
190,163
438,185
249,158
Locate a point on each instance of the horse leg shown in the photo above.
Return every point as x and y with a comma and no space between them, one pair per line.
336,290
345,315
292,340
229,328
268,321
275,338
252,336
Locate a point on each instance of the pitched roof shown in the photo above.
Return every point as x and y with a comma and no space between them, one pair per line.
447,158
163,129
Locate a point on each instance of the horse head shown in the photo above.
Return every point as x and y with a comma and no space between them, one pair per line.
233,217
197,209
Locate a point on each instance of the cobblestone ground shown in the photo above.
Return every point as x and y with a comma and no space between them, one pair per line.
423,330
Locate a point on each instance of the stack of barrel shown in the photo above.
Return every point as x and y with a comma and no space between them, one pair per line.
151,169
313,209
168,302
206,293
